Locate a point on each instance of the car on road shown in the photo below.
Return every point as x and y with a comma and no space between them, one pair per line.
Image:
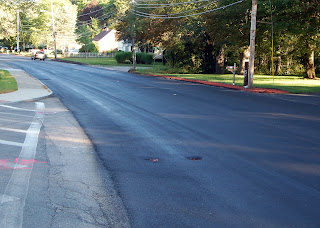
38,55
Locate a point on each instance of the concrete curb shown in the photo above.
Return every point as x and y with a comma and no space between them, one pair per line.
216,84
26,94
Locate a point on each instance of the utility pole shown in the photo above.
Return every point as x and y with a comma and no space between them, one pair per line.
134,54
18,22
54,32
252,41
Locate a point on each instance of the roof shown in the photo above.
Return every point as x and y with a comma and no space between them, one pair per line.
101,35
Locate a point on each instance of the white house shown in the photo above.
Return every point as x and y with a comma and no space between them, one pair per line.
106,40
124,45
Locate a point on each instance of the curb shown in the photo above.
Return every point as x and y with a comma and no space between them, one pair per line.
68,61
218,84
31,99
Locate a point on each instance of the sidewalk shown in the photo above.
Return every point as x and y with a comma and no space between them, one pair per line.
29,88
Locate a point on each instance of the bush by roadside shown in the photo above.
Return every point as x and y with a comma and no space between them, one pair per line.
123,56
142,58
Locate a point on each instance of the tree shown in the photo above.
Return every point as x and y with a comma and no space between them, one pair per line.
301,19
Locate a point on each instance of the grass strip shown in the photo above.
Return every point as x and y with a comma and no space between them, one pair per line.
7,82
97,61
292,84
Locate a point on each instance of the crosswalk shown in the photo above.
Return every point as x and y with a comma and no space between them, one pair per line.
20,161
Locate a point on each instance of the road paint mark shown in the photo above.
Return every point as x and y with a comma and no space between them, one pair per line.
11,213
4,142
15,108
21,164
7,198
13,130
13,114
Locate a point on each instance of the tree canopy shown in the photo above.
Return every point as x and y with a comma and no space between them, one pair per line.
197,35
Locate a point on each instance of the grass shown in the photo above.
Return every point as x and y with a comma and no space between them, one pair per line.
7,82
292,84
103,62
97,61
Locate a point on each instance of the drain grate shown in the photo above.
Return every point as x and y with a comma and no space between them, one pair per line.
152,159
195,158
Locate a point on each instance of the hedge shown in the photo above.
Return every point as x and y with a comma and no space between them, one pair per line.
123,56
142,58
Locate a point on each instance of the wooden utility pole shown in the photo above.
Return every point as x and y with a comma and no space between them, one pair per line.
18,22
134,54
54,32
252,41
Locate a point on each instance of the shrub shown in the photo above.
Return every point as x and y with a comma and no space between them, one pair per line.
144,58
122,56
91,47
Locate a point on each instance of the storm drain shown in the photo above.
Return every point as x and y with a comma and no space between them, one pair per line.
152,159
195,158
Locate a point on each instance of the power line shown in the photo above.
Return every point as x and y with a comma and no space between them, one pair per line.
164,5
81,15
162,15
168,16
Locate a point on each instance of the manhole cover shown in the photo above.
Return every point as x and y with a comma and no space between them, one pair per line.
195,158
152,159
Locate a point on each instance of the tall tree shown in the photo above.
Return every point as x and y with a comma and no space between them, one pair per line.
301,19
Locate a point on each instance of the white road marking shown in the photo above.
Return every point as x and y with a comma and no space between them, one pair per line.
11,211
13,130
4,142
13,114
7,198
15,108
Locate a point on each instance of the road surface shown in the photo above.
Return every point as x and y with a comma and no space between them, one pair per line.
188,155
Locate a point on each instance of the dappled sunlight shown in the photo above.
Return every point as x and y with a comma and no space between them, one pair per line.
222,146
280,115
298,167
188,116
70,139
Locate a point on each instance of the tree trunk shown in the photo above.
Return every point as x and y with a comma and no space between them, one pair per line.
208,57
310,69
244,56
278,67
220,59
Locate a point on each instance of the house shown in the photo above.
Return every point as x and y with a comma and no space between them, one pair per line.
124,45
106,40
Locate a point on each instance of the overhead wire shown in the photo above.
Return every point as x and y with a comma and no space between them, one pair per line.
81,15
168,16
164,15
171,4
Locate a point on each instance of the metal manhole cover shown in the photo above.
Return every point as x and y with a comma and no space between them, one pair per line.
195,158
152,159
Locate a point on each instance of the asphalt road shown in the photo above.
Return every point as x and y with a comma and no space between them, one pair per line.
188,155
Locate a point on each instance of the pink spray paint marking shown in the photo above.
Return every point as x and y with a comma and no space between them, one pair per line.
22,164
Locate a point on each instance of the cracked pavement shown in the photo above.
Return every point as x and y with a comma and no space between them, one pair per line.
70,187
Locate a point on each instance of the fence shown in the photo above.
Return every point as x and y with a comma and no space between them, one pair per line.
89,55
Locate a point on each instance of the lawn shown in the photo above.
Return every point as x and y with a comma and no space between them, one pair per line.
292,84
7,82
97,61
109,61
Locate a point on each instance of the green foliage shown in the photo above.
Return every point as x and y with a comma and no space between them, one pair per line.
7,82
123,56
90,47
144,58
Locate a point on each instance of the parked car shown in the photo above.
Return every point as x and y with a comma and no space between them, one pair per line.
38,55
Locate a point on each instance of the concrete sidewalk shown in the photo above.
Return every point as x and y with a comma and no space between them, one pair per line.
29,88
